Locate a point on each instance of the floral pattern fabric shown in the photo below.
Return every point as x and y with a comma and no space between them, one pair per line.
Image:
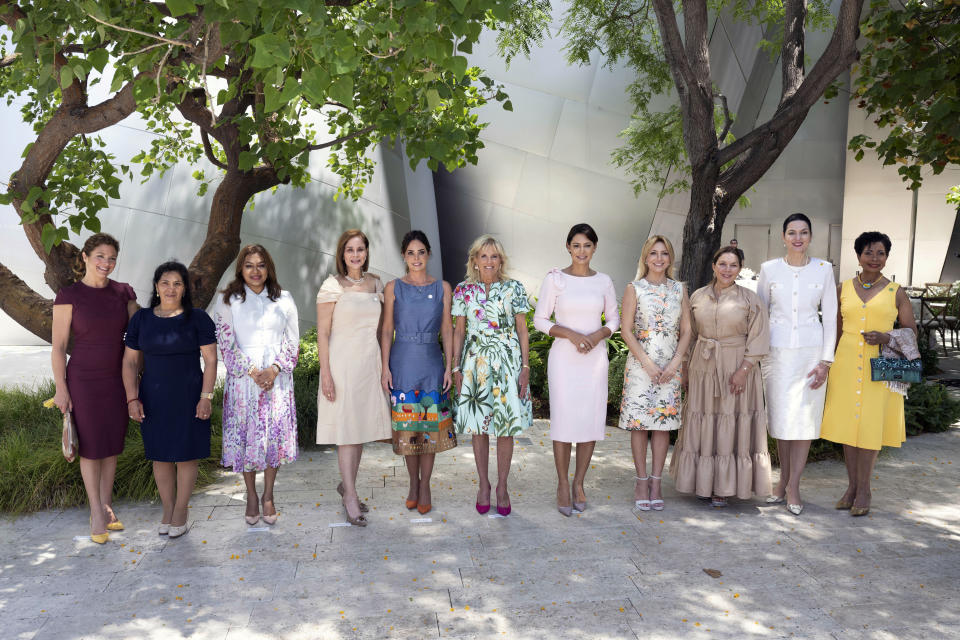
489,400
259,427
656,325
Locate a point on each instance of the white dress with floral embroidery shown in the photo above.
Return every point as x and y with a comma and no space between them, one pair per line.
656,324
489,401
259,427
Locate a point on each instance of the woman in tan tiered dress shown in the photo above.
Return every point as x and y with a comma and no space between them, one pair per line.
351,405
722,447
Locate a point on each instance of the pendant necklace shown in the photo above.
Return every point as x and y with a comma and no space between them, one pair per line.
867,285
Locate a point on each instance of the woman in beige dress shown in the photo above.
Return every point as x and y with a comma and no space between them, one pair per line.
722,447
351,405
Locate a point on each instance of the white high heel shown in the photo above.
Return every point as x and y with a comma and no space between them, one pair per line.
643,505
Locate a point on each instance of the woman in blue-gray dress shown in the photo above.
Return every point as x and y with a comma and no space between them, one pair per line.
416,373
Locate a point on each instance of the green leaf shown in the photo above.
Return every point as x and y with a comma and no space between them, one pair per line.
181,7
92,224
247,160
459,5
508,106
342,90
99,58
270,50
433,99
48,236
66,76
315,82
458,64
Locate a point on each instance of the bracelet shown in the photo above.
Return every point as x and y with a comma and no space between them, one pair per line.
526,366
277,367
206,396
455,370
132,400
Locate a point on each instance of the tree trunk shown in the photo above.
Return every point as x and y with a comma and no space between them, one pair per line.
703,226
222,243
25,306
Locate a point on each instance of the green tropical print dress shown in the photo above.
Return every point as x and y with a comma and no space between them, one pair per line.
489,400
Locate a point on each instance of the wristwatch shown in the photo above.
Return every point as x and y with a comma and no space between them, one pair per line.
206,396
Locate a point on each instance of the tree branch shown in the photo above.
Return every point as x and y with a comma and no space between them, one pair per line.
837,58
356,134
9,60
792,52
673,45
25,306
727,120
208,150
178,43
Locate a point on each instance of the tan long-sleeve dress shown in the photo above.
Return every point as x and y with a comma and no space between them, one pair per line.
722,446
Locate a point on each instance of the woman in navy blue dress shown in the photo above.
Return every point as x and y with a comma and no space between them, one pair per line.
416,373
173,401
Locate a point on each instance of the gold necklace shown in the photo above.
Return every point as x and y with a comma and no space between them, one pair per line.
867,285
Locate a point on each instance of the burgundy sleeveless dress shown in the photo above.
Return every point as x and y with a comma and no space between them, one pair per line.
98,322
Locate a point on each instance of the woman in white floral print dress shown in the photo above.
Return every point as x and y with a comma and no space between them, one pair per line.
491,351
655,324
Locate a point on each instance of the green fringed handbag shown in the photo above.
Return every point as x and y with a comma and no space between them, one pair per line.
896,370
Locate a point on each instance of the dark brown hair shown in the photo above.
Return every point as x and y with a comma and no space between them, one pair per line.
94,241
727,249
346,237
236,286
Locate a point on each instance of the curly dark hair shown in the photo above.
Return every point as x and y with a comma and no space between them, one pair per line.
867,238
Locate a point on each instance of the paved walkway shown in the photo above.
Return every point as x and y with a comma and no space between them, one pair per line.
750,570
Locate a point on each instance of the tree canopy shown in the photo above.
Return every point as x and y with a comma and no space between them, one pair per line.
908,81
682,121
252,85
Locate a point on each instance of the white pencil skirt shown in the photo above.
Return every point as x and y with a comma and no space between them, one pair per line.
794,410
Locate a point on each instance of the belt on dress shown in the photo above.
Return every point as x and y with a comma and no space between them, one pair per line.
707,351
416,338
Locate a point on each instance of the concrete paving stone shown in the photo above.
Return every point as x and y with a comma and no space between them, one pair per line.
329,599
23,629
592,619
240,580
422,625
484,594
917,616
96,627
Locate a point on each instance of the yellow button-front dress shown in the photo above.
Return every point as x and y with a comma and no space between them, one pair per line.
859,412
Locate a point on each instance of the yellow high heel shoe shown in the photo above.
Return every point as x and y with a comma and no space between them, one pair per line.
99,538
115,526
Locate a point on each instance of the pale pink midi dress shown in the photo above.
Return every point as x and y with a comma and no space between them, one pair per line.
578,381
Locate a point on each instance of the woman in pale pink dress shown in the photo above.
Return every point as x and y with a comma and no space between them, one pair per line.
577,366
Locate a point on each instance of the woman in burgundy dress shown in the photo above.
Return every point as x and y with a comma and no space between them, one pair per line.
94,311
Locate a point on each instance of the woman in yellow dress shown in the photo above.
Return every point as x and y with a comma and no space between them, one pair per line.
860,414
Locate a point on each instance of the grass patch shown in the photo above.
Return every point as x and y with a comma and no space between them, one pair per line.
34,474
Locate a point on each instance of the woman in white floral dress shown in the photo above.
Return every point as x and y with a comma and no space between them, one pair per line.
259,337
491,351
655,324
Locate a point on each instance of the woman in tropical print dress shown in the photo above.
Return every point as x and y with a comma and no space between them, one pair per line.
491,345
657,311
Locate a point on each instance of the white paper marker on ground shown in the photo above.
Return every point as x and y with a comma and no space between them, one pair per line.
420,520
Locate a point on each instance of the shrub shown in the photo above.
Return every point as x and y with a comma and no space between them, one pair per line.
306,382
929,408
34,474
928,353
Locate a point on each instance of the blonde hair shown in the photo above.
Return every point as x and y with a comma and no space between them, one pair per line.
645,251
473,273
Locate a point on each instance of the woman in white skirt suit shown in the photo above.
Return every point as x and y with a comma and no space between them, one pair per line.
794,288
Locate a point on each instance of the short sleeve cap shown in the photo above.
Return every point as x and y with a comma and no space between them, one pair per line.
132,338
330,290
65,295
458,304
206,330
519,300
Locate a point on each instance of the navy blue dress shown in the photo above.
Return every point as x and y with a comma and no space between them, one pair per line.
420,408
172,382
